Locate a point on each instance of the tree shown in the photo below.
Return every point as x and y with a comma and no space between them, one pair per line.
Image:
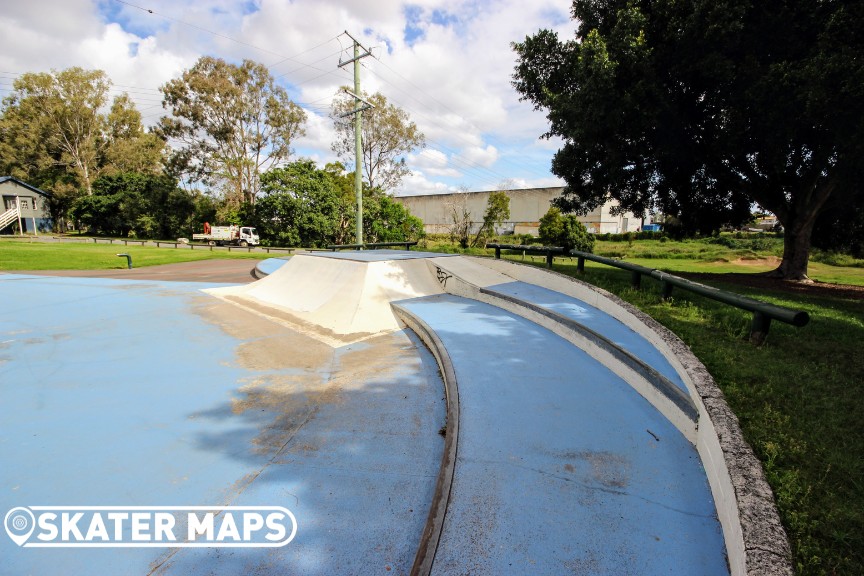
143,205
460,217
497,211
705,108
231,123
129,148
301,206
55,119
388,134
386,220
566,231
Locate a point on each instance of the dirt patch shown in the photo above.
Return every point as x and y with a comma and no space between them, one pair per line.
762,282
288,350
773,261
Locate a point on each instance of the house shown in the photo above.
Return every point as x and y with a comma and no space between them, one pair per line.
24,207
527,206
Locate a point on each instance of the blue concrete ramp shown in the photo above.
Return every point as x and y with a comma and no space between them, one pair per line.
561,467
139,393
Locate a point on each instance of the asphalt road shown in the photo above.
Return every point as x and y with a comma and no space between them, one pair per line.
214,271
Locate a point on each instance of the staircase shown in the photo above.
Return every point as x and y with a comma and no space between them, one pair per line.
8,217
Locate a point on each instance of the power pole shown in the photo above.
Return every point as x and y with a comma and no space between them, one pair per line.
358,130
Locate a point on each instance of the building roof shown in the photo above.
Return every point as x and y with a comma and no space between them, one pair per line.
469,192
4,179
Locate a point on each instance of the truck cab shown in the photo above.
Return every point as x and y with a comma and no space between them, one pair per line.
248,236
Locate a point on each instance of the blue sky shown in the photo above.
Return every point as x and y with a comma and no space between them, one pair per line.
447,63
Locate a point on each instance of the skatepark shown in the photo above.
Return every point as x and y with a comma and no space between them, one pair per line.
417,413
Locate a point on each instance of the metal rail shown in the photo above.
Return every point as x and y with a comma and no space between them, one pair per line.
763,312
549,251
373,245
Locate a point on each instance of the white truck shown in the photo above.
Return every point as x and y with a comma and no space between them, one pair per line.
234,235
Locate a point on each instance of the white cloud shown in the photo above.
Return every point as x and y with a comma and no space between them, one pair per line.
417,184
480,156
452,72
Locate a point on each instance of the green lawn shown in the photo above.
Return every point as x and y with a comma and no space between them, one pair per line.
16,255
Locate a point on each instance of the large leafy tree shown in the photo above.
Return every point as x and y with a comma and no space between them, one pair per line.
229,123
128,147
143,205
386,220
301,206
703,108
55,133
388,135
55,119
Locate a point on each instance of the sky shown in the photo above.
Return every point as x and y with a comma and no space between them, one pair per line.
447,63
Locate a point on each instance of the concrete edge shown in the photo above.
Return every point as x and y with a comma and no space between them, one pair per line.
258,273
434,526
756,542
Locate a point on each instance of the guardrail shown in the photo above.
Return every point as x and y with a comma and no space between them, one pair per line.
549,251
169,243
372,245
763,312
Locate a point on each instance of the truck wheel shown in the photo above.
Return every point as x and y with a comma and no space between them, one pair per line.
211,243
244,243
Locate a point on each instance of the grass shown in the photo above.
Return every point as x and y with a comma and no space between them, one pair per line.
16,255
723,254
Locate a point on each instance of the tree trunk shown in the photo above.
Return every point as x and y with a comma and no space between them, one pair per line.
796,250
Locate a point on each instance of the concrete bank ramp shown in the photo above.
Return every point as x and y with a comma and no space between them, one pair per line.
337,297
561,467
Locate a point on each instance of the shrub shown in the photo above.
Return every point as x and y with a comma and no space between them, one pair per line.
565,231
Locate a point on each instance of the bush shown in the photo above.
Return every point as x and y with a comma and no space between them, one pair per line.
565,231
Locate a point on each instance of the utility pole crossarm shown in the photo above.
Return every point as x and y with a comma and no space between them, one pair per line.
357,55
356,97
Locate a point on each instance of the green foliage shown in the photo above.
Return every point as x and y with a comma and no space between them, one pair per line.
385,220
302,206
565,231
141,205
702,109
55,134
551,227
232,121
497,211
388,135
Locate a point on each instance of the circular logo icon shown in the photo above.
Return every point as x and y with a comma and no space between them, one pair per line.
19,523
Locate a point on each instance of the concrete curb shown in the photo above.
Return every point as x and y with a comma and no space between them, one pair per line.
431,536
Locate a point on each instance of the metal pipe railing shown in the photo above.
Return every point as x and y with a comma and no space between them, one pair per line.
549,251
372,245
763,312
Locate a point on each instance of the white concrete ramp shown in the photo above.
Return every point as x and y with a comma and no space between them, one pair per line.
338,298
